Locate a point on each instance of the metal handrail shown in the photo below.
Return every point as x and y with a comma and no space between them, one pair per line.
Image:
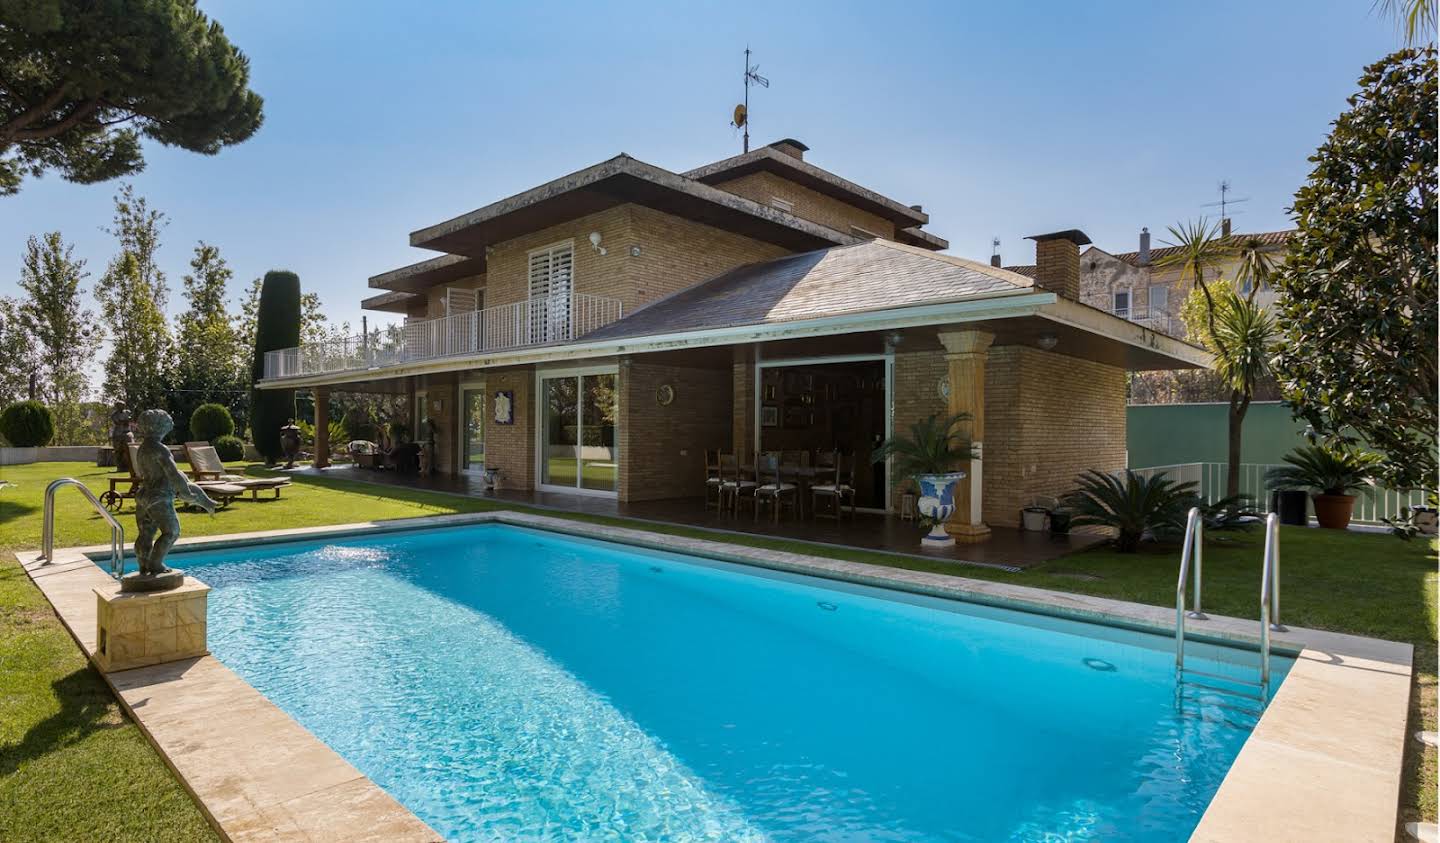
1191,549
47,535
1269,598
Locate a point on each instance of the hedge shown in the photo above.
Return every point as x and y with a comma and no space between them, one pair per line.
230,448
277,325
211,421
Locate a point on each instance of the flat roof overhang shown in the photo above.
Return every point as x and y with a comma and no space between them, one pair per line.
393,302
619,181
767,159
923,239
421,276
1022,317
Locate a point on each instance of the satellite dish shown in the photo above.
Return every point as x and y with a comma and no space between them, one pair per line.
739,118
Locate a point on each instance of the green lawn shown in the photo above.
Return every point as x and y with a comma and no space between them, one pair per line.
1364,584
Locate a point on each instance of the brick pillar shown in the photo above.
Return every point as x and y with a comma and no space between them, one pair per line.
742,422
965,352
322,426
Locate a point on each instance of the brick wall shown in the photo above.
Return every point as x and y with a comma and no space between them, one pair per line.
1057,266
742,402
1048,417
808,204
916,394
675,253
441,388
511,448
662,448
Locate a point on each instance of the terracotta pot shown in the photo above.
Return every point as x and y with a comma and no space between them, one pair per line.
1333,511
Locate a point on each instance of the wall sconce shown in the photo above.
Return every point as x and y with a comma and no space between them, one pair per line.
595,243
1046,342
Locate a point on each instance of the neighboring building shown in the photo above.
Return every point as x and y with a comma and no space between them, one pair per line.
598,333
1134,286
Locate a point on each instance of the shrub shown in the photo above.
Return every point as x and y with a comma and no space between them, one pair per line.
230,448
27,424
934,446
277,325
210,422
1136,507
1323,470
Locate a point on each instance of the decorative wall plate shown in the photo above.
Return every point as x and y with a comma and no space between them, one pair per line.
943,387
665,395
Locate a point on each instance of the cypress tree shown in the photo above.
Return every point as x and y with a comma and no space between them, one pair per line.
277,325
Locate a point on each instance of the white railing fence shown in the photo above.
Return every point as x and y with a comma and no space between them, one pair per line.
1372,506
507,326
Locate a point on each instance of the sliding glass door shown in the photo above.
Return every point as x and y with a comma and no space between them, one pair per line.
579,449
472,428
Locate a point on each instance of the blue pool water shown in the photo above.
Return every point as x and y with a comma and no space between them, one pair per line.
505,683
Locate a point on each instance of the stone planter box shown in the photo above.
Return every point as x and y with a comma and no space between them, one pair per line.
53,453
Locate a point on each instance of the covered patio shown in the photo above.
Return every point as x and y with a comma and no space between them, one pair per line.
1005,548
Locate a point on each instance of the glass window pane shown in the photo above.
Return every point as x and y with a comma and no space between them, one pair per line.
561,420
473,455
599,453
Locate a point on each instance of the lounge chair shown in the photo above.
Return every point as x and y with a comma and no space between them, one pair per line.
208,470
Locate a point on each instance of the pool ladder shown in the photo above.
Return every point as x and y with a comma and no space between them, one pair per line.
1193,551
47,534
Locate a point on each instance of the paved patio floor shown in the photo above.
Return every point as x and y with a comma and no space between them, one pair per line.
1006,548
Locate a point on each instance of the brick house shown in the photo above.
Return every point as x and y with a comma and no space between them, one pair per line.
596,334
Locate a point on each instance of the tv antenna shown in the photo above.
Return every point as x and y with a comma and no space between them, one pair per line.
994,247
741,118
1225,200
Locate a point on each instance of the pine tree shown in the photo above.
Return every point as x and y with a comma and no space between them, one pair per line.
58,328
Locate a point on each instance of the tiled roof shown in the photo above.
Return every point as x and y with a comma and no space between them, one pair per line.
1027,269
874,275
1268,238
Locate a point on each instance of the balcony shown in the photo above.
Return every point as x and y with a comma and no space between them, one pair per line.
1159,322
533,322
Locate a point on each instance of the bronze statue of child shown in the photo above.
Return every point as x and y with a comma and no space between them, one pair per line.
161,481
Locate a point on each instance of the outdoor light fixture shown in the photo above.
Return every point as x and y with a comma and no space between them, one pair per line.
894,338
595,242
1046,341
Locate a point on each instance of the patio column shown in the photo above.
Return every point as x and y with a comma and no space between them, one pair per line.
965,352
322,426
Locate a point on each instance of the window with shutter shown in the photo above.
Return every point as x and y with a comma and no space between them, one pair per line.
1122,304
551,280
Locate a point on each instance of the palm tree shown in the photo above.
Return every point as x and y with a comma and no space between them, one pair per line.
1199,249
1241,337
1415,18
1257,264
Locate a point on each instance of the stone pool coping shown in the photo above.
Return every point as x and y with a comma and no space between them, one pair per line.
1324,761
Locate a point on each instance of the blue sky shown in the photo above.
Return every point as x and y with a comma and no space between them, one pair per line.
1002,119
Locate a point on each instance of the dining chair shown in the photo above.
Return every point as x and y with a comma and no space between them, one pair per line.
712,478
773,489
834,485
733,486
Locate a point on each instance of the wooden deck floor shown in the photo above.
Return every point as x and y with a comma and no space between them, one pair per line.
1006,548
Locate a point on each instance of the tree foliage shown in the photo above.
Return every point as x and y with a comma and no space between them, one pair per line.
1358,310
211,421
17,352
210,362
83,81
57,327
277,325
132,295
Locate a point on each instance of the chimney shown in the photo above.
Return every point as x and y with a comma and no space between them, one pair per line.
1224,226
1057,261
994,260
1144,257
791,147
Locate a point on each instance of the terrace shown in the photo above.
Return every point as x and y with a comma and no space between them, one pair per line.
523,324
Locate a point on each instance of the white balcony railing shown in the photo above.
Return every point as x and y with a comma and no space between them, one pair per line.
1159,321
508,326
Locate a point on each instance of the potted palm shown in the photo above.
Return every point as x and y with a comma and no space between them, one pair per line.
929,455
1330,475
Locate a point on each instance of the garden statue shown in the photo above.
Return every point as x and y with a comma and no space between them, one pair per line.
157,526
290,443
120,437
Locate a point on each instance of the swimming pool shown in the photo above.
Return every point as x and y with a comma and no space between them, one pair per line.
504,682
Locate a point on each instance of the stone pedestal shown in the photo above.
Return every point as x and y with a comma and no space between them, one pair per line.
138,629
